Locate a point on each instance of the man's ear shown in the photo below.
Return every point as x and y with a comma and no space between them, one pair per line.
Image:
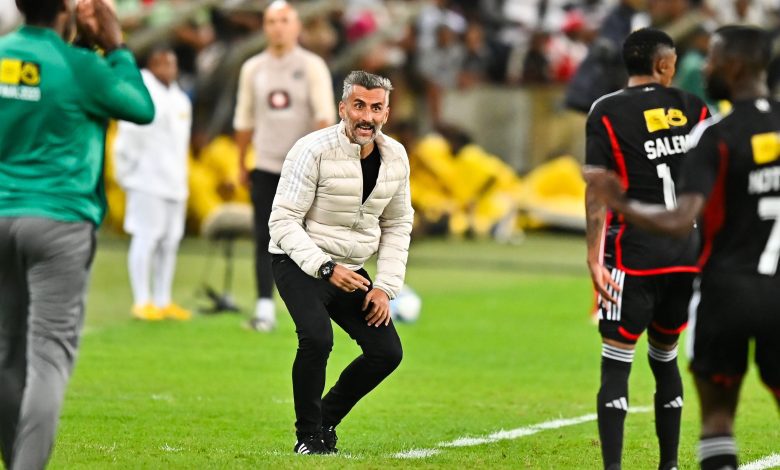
387,115
736,70
342,109
662,65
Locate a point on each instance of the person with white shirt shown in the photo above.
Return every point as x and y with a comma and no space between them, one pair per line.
151,166
284,93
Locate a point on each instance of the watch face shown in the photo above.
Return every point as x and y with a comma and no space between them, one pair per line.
326,270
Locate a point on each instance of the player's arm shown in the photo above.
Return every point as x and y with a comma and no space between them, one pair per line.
321,93
597,156
700,170
244,119
595,218
112,86
678,222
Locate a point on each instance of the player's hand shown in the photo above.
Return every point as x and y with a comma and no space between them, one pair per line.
377,305
243,176
606,186
601,281
98,24
347,280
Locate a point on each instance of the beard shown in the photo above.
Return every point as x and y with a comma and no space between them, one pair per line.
352,131
717,88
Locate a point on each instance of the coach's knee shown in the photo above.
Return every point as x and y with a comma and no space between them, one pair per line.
316,341
387,356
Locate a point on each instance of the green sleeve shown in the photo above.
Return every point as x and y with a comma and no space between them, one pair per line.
113,88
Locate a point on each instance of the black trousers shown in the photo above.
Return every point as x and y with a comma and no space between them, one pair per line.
263,191
312,304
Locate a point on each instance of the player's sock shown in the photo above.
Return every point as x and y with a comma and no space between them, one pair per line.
668,403
718,452
163,268
139,259
265,310
612,403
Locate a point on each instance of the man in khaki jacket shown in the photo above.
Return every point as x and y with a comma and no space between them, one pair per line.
343,196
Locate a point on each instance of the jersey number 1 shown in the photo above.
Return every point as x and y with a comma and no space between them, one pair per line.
769,209
665,173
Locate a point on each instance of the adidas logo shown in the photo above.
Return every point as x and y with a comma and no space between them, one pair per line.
620,404
303,449
676,403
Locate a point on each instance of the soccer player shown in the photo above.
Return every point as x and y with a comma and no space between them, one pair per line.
644,281
731,176
284,93
343,197
56,101
151,166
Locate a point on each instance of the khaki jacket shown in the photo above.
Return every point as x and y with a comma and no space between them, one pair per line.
317,212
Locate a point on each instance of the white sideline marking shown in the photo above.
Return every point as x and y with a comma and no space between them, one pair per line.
416,454
509,434
770,461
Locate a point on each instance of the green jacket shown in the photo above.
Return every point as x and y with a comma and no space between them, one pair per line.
55,103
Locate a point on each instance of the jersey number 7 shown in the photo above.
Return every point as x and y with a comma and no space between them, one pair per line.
768,209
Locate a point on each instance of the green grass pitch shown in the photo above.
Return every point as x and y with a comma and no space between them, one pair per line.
504,342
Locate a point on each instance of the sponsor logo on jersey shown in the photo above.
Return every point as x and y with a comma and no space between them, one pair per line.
20,80
278,99
766,147
659,119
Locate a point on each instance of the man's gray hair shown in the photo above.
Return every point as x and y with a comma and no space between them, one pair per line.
369,81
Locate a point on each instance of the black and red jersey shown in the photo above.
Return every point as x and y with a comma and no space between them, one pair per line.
641,133
735,162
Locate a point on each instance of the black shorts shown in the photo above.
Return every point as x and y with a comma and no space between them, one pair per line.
732,310
658,303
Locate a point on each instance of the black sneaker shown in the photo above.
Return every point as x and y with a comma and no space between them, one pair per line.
329,438
310,444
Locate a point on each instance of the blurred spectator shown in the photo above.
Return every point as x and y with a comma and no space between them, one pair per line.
440,66
319,36
10,18
536,67
690,75
434,14
478,58
284,93
747,12
567,49
603,71
151,166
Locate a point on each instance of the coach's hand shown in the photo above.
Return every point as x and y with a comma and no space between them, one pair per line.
347,280
601,279
377,304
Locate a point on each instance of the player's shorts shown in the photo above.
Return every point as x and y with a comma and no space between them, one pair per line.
658,303
153,216
728,310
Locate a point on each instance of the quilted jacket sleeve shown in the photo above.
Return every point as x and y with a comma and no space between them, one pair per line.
396,226
294,197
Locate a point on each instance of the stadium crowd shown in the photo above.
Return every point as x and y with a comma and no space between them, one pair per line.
429,49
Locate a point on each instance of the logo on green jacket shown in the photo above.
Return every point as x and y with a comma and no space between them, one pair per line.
20,80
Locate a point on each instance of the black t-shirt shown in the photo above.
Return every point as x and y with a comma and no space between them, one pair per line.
735,163
370,166
641,133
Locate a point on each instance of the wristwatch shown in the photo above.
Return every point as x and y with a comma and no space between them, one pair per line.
326,270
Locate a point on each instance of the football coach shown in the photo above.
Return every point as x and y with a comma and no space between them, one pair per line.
343,196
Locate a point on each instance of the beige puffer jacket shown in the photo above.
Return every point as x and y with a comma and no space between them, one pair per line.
317,213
